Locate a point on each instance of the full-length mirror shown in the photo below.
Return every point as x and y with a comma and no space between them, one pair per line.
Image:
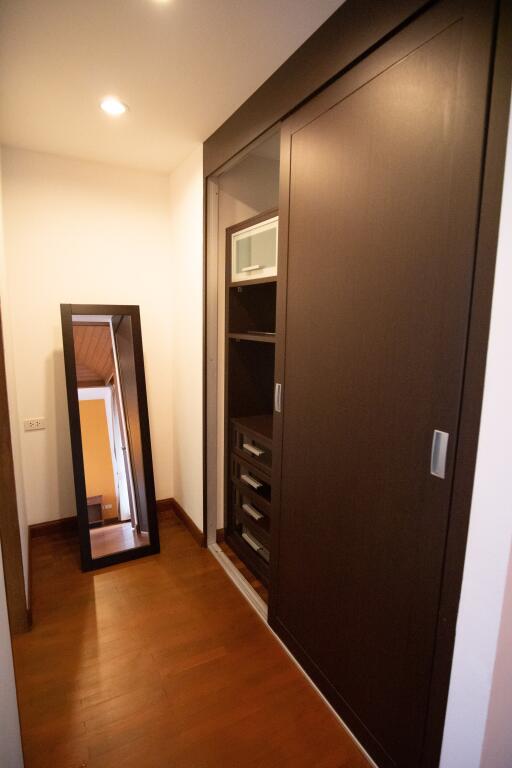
109,428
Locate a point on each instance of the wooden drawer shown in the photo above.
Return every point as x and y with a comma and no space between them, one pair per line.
247,513
255,543
253,560
242,495
252,445
250,478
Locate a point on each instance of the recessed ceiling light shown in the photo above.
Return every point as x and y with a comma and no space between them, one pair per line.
113,106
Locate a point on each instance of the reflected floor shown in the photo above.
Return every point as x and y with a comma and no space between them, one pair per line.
115,538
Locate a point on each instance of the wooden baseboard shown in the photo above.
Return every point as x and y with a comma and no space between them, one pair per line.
164,508
187,521
62,525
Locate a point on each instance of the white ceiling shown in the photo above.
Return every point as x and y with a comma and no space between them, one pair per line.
182,66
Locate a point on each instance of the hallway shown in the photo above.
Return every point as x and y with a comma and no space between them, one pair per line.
161,662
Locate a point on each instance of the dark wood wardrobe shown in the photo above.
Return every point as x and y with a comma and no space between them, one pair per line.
378,363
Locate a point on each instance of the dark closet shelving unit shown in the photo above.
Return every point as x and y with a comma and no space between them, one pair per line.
249,375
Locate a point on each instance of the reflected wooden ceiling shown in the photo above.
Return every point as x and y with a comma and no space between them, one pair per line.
93,355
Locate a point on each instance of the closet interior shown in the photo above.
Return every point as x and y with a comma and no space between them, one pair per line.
248,274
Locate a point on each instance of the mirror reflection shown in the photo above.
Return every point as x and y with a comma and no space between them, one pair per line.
117,509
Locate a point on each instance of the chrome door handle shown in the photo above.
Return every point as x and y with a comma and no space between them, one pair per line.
277,398
438,453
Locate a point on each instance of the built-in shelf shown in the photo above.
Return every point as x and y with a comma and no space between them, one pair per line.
268,338
256,281
261,425
250,374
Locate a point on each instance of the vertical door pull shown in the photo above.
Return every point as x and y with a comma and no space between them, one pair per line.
438,455
277,398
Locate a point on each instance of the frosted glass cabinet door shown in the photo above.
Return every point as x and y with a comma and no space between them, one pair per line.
254,251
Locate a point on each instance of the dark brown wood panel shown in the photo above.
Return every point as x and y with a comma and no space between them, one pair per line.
490,211
250,378
261,426
252,308
354,28
19,617
379,216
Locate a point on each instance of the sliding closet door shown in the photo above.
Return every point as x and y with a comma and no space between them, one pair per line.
378,217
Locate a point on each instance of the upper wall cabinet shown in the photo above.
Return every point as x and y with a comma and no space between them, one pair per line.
254,251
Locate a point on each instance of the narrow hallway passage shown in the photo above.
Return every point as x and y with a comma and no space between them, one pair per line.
161,662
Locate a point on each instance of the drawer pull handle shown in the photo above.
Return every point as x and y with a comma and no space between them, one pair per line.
256,546
251,268
251,541
251,481
253,449
252,511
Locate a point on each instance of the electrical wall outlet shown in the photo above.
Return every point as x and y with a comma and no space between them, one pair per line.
107,506
31,424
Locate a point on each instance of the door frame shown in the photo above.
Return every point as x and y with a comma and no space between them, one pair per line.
20,618
67,312
343,39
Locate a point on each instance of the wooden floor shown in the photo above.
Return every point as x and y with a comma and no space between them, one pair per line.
161,663
115,538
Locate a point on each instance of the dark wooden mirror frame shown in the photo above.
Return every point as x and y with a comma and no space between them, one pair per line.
67,311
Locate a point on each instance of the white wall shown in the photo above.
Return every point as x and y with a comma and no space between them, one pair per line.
497,749
10,739
81,232
186,210
488,548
